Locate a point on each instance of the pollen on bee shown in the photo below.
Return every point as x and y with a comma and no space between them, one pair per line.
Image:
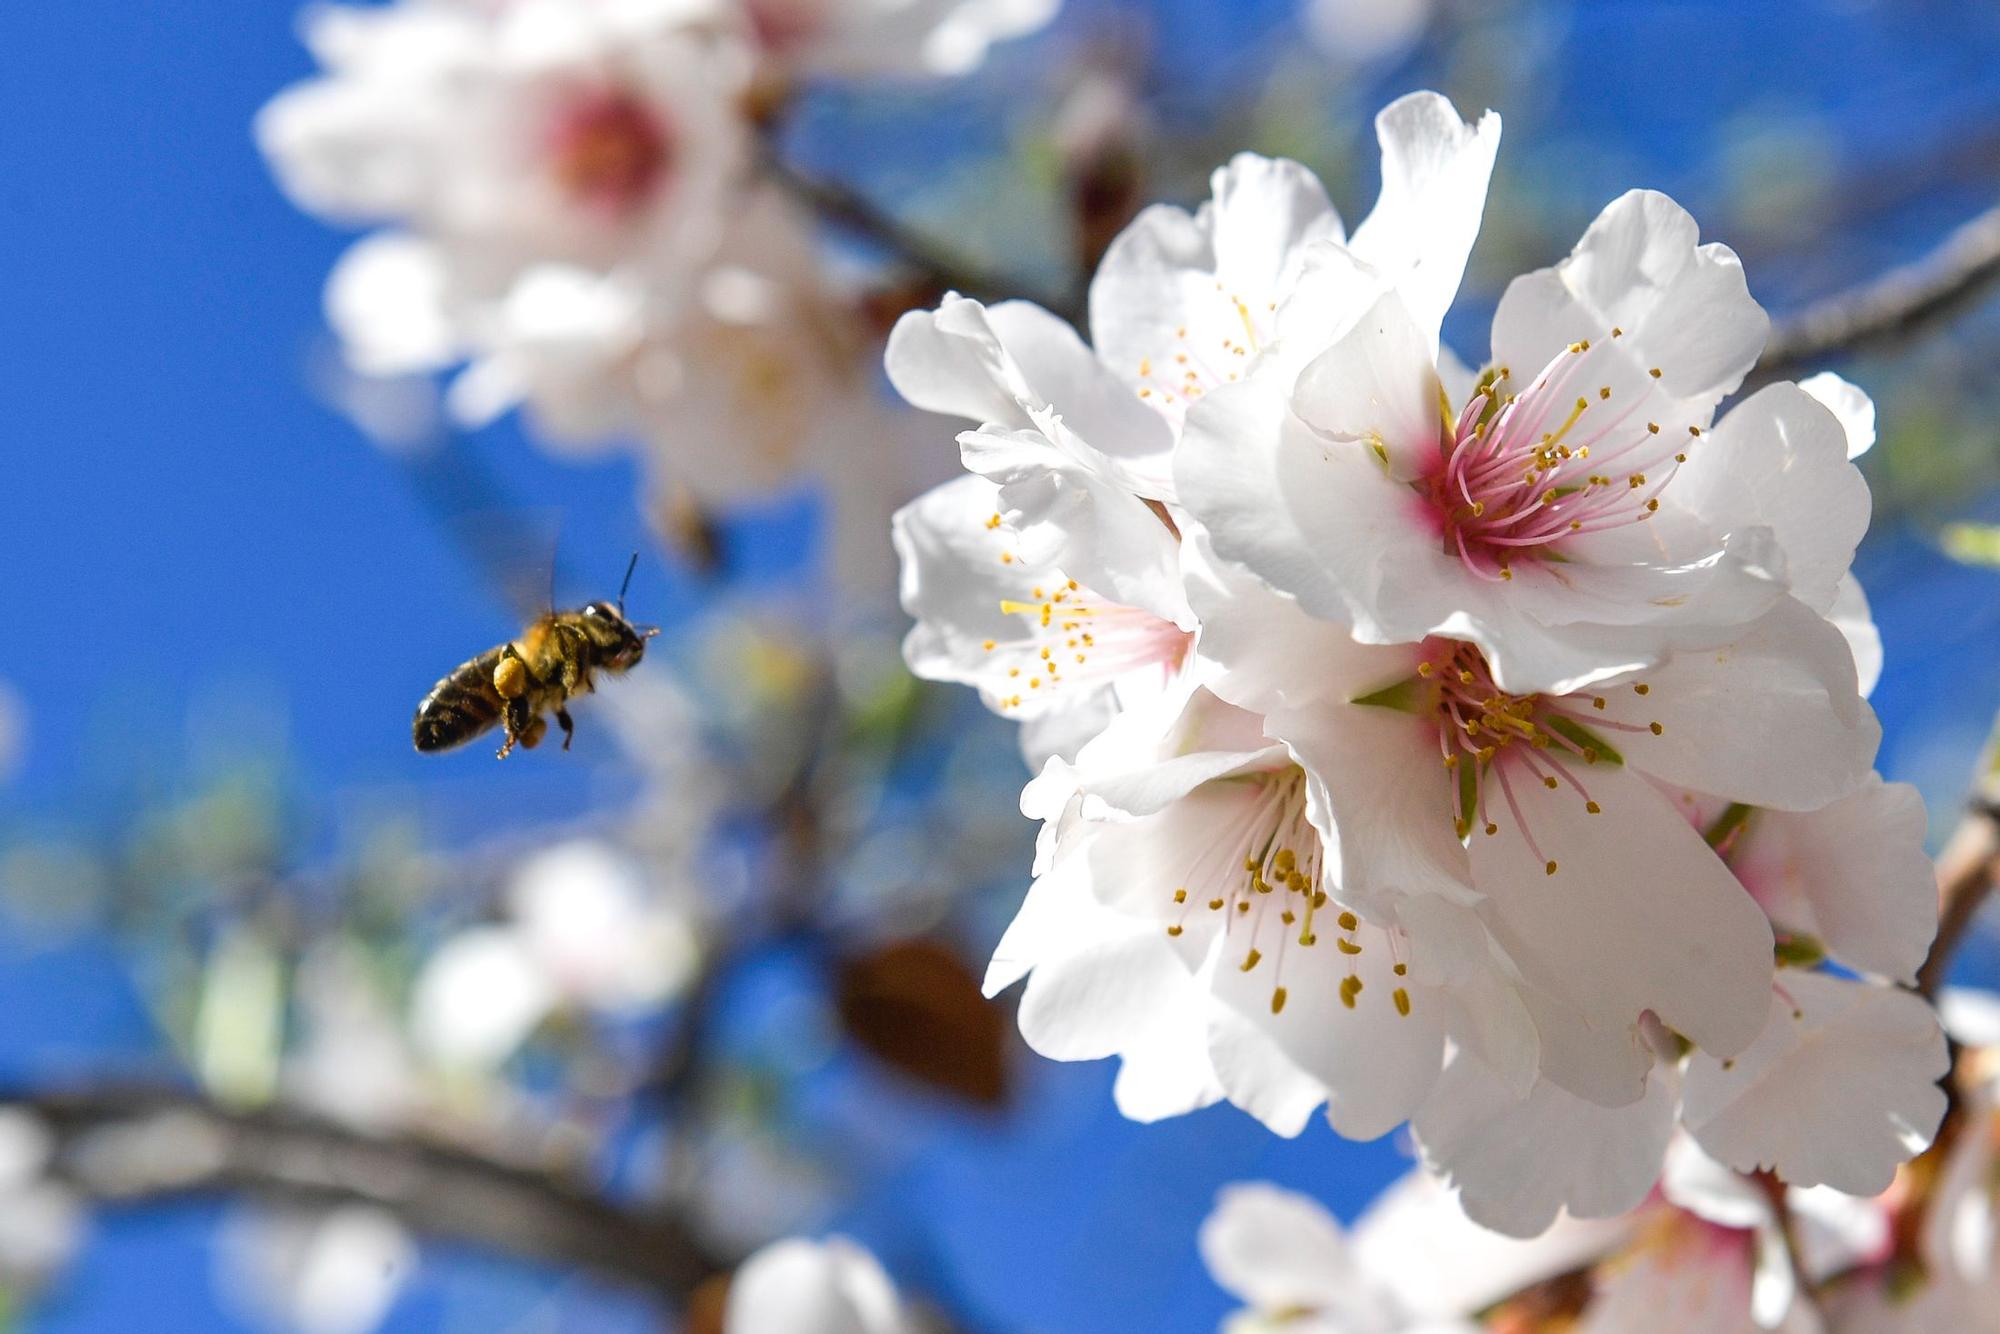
510,678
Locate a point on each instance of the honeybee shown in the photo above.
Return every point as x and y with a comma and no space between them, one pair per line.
516,683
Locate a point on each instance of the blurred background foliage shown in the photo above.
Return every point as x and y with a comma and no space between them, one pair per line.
721,961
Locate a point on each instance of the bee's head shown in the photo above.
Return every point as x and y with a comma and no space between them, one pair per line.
620,643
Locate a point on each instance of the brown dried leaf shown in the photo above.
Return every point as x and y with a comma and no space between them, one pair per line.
916,1006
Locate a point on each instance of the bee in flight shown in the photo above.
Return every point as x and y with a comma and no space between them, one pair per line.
516,683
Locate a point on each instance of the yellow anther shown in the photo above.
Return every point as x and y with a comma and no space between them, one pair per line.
1348,947
1655,372
1593,808
1173,930
1243,905
1278,1001
1549,782
1180,896
1695,431
1641,688
1424,669
1250,960
1402,999
1348,921
1402,970
1604,392
1656,728
989,646
1215,905
1653,428
1491,829
1550,869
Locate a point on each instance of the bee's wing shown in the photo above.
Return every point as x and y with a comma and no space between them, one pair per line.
514,551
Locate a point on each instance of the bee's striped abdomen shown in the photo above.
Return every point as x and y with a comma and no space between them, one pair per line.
459,707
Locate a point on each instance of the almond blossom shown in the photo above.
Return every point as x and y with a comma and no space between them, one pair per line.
493,138
1050,577
1413,1261
1078,477
1576,511
814,1287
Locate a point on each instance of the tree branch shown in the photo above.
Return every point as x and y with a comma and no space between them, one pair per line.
937,266
1966,871
1892,308
131,1144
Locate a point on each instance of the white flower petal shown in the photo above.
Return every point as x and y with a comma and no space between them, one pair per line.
813,1287
1680,938
1277,1250
1773,718
1851,404
1683,308
1175,285
1518,1162
1851,617
1852,874
1376,1062
387,299
1435,169
1778,460
1838,1091
1416,1241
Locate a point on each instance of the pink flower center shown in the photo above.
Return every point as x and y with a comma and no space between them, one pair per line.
609,151
1523,473
1493,742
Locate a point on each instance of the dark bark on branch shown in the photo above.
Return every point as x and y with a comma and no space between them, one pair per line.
1890,309
135,1144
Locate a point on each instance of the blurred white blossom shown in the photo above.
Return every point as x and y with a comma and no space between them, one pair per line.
800,1286
333,1272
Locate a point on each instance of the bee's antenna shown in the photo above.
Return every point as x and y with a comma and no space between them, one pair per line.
632,565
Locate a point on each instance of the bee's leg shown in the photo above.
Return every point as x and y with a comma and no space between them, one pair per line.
517,718
568,727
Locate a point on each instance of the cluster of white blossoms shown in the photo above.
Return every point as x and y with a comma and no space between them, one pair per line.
1709,1249
1485,750
570,205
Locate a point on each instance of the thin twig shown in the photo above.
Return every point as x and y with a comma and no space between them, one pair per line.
1966,870
935,264
135,1144
1892,308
